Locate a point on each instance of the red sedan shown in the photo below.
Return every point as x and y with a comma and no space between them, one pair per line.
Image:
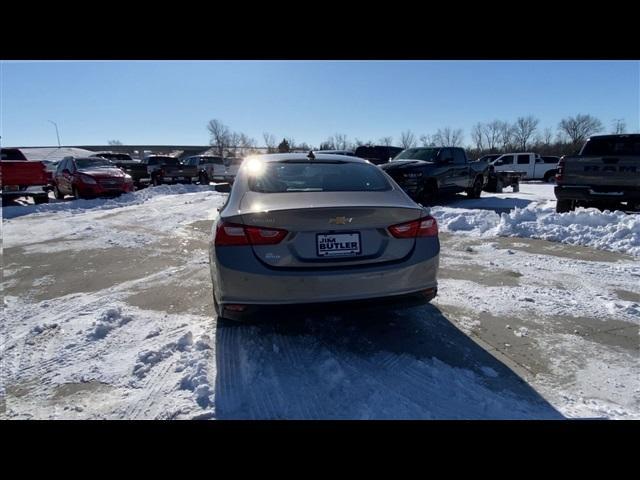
90,177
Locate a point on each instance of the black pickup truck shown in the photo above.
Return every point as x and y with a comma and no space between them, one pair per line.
605,174
426,172
166,169
137,169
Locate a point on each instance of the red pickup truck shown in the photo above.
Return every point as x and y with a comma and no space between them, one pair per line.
20,177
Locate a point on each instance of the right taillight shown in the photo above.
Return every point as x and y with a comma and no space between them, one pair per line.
423,227
228,234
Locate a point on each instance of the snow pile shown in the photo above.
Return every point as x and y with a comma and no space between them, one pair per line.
109,320
127,199
614,231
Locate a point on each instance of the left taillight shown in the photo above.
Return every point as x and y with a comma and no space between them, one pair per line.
228,234
423,227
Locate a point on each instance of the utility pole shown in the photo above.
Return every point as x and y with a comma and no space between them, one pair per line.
57,134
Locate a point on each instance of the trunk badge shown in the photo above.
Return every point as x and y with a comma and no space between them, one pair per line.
341,220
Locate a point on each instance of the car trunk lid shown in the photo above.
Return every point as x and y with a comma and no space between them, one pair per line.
328,229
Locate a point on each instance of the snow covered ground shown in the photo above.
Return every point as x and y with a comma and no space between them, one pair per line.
530,213
108,314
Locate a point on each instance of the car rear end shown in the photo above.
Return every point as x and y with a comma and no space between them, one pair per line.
329,244
606,173
23,178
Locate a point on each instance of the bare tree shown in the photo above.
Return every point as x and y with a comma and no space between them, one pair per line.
220,134
340,141
246,144
233,143
619,126
407,139
114,142
547,137
386,141
506,136
477,135
448,137
426,140
523,130
491,133
269,142
580,127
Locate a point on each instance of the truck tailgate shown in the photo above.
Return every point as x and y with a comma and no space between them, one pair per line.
622,171
23,173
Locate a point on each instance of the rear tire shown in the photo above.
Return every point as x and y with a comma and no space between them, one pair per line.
564,206
429,194
550,176
57,193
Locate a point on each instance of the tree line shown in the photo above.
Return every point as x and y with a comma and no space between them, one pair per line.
496,136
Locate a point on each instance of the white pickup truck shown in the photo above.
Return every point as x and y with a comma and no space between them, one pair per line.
532,164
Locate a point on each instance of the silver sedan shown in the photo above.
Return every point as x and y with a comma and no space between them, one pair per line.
300,229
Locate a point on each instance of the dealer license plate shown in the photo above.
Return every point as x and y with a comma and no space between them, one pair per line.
338,244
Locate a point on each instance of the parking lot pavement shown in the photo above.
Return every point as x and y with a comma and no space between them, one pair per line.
520,329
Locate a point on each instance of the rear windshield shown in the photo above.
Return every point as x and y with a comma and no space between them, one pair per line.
305,176
427,154
92,162
12,154
597,147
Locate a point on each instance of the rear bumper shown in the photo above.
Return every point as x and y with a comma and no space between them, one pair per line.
597,194
373,305
239,277
174,180
33,191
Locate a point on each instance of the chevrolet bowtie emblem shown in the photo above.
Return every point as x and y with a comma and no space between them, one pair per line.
341,220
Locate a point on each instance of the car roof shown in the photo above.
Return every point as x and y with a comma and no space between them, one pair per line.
320,157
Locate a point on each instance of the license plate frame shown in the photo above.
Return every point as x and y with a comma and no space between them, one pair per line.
339,236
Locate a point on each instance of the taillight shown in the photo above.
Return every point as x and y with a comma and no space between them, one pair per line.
560,173
423,227
228,234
